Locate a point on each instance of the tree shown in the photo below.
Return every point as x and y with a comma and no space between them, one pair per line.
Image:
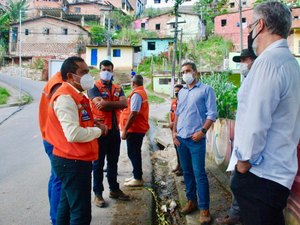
209,9
98,34
10,14
120,20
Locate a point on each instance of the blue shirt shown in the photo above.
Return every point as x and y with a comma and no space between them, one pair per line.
195,106
267,127
136,102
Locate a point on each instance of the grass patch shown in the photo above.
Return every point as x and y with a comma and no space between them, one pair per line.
155,99
3,96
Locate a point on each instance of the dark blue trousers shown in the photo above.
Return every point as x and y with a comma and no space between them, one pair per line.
109,147
75,200
261,201
134,150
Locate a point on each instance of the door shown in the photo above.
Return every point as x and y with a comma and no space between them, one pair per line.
94,57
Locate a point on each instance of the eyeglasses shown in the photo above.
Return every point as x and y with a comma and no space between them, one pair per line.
252,25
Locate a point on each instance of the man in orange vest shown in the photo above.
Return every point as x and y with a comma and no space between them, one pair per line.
134,125
107,100
54,184
177,88
71,129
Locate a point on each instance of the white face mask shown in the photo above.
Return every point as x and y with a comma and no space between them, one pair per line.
188,78
106,75
87,82
244,69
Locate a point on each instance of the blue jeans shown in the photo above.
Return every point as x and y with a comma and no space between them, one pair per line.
54,185
134,150
109,147
75,201
192,159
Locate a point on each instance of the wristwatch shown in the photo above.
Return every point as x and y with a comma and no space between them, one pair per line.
203,130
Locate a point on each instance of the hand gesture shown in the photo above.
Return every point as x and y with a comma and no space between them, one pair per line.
197,136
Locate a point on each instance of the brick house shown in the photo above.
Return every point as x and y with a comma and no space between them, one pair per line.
228,26
47,36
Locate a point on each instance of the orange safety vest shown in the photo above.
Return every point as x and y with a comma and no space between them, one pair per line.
105,117
173,109
86,151
140,124
44,101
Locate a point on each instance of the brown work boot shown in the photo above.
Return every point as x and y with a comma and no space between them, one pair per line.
205,218
99,201
189,207
228,220
118,194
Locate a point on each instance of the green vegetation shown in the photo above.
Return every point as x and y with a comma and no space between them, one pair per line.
155,99
98,34
226,94
37,64
3,96
26,99
10,14
209,9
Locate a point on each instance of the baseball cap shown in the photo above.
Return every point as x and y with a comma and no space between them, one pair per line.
244,54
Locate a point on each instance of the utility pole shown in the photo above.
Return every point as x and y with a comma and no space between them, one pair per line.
241,34
108,39
174,53
20,55
180,56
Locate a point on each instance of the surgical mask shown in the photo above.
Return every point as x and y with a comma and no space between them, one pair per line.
106,75
87,82
188,78
244,69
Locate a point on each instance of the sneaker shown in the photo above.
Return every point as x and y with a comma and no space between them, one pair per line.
205,218
189,207
99,201
228,220
134,183
129,179
118,194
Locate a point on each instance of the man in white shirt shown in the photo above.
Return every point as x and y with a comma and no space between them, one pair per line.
267,126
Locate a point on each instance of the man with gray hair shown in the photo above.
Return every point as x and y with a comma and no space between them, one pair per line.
267,128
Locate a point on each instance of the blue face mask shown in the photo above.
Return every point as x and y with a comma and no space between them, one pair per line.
106,75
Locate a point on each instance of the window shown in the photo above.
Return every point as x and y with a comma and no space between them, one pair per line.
65,31
26,32
151,45
231,4
223,22
46,31
296,17
156,1
157,26
143,25
77,10
172,25
164,81
244,20
116,52
244,3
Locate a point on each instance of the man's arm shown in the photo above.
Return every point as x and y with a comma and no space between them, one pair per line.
174,131
211,114
101,104
67,113
136,103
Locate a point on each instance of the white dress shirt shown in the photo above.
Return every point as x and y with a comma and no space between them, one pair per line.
66,111
267,127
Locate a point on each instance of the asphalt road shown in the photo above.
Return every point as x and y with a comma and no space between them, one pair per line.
24,170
